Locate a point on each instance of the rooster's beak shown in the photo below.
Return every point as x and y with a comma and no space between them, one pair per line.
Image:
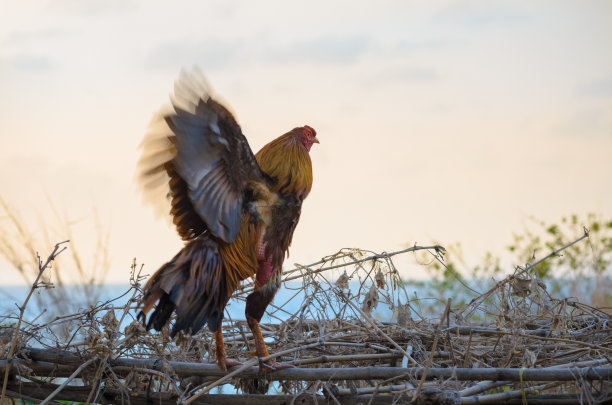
315,141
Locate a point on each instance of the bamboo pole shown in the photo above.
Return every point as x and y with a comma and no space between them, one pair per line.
78,394
184,369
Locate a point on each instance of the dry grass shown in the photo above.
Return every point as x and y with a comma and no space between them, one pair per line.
18,242
526,344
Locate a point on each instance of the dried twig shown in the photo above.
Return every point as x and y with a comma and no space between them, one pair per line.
433,349
41,269
67,381
536,336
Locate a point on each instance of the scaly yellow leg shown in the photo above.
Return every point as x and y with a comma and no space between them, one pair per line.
222,360
262,351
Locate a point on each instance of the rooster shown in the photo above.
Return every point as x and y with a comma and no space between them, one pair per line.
236,212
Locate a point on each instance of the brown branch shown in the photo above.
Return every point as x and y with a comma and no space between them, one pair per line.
557,251
481,387
499,397
431,353
183,369
41,269
347,357
371,322
67,381
299,267
78,394
244,367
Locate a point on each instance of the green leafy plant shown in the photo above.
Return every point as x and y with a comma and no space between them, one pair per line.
588,264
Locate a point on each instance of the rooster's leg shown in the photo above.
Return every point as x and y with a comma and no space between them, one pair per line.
222,360
256,304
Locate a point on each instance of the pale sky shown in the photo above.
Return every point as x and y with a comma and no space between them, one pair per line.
438,120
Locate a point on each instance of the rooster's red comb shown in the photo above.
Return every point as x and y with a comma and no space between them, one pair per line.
309,130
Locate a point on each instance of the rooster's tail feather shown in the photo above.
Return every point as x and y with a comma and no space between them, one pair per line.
194,285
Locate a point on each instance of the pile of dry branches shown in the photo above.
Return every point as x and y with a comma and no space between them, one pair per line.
511,344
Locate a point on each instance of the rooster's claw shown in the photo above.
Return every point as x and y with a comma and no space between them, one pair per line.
270,366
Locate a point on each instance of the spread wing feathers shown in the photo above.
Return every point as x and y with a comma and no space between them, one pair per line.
194,284
199,152
157,152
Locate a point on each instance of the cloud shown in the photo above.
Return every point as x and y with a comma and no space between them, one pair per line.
478,14
405,74
45,34
92,7
432,44
587,122
32,63
209,53
324,49
597,88
415,73
215,53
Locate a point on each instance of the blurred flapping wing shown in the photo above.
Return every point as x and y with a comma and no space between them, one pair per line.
196,154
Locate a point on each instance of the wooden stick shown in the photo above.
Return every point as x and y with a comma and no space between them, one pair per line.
347,357
22,396
247,365
67,381
78,394
183,369
431,353
481,387
437,248
371,322
378,388
497,398
154,372
557,251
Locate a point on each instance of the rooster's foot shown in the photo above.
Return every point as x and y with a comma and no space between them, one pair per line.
225,363
271,366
